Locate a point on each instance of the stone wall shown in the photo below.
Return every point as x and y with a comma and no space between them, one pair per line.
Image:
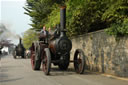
103,52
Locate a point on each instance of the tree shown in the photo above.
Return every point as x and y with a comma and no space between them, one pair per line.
116,16
28,37
39,10
83,16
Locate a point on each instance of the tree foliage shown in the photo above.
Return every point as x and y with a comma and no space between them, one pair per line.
82,15
116,16
39,11
28,37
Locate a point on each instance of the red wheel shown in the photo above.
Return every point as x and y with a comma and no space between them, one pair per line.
34,61
79,61
46,61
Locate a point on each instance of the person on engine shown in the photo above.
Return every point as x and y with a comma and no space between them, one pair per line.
43,34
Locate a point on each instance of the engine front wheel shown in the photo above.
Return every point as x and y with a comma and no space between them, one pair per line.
63,66
79,61
65,63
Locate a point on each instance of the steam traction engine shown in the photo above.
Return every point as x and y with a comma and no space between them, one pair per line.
19,50
56,51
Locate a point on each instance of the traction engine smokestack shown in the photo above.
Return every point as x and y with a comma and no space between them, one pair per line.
63,20
20,41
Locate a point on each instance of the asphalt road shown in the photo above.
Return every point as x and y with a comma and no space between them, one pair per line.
19,72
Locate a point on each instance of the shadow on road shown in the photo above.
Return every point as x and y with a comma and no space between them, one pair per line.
55,71
9,80
58,72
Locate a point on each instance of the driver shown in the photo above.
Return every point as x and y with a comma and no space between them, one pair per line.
43,34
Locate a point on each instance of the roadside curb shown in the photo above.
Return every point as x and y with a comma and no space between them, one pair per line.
111,76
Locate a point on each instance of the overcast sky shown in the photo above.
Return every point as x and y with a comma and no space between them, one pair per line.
12,15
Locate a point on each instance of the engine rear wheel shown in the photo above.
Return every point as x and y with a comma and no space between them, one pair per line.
36,63
46,61
79,61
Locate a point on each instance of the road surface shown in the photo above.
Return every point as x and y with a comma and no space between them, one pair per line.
19,72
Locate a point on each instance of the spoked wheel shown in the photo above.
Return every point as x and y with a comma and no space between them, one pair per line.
34,61
46,63
79,61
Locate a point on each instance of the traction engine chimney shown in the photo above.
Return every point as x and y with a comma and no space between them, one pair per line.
63,20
